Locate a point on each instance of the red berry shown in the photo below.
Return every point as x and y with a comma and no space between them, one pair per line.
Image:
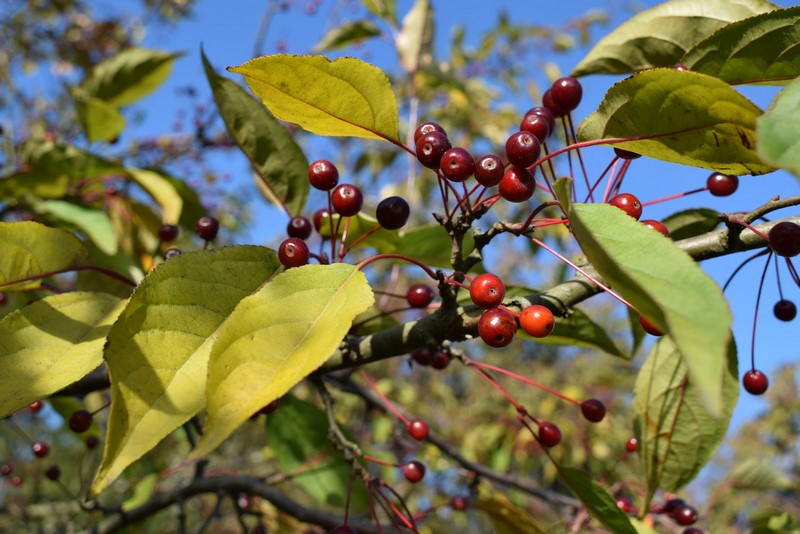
625,503
722,185
40,449
430,149
323,175
649,327
459,503
549,103
549,434
671,505
537,320
631,445
320,215
627,203
35,406
522,149
487,291
489,170
626,154
16,481
392,212
414,471
53,473
755,382
538,125
441,360
80,421
680,66
271,407
167,232
420,295
546,114
426,128
6,469
785,310
457,164
423,356
784,239
517,184
418,429
497,327
207,227
91,442
299,227
347,200
293,252
566,93
658,226
685,515
593,410
3,298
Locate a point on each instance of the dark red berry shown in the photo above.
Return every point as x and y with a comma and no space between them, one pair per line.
40,449
323,175
522,149
459,503
420,295
722,185
627,203
631,445
426,128
347,200
593,410
36,406
392,212
207,227
414,471
167,232
299,227
671,505
418,429
320,215
489,170
16,481
685,515
91,442
658,226
755,382
566,93
441,360
423,356
784,239
271,407
3,299
457,164
80,421
549,103
344,529
546,114
171,253
53,472
487,291
517,184
626,154
625,503
497,327
293,252
549,434
537,320
649,327
6,469
431,147
692,530
785,310
537,125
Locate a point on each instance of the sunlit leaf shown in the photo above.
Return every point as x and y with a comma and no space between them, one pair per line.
676,434
42,184
100,120
761,49
416,35
162,191
508,518
779,138
598,502
660,36
688,118
758,474
92,222
277,337
52,343
665,285
384,241
386,9
181,305
348,34
691,223
142,492
129,76
431,244
344,97
56,159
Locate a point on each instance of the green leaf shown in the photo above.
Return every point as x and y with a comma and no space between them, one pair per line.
774,522
691,223
129,76
181,305
277,160
384,241
162,190
348,34
386,9
598,502
37,183
758,474
51,158
100,120
414,41
30,249
638,334
275,338
666,285
779,138
297,433
761,49
344,97
686,117
92,222
142,492
660,36
675,432
507,518
431,244
52,343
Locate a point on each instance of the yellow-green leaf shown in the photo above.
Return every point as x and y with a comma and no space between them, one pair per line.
347,34
157,353
100,120
162,191
344,97
52,343
778,141
92,222
129,76
30,249
416,36
507,518
277,337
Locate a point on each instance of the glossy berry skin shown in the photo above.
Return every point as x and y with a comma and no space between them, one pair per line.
207,227
423,356
347,200
631,445
36,406
414,471
671,505
489,170
299,227
459,503
167,232
546,114
537,320
626,154
53,473
418,429
426,128
549,103
457,164
392,212
522,149
685,515
497,327
320,215
785,310
658,226
487,291
517,184
538,125
649,327
627,203
323,175
784,239
441,360
80,421
293,252
567,93
755,382
420,295
430,149
722,185
593,410
549,434
40,449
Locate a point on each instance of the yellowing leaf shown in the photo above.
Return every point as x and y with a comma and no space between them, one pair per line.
52,343
277,337
415,38
162,191
157,353
344,97
31,249
100,120
93,222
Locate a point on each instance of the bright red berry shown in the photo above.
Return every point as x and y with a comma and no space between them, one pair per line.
457,164
566,93
80,421
631,445
489,170
538,125
627,203
207,227
347,200
299,227
593,410
517,184
320,215
487,291
420,295
167,232
418,429
414,471
784,239
497,327
522,149
546,114
755,382
293,252
40,449
36,406
537,320
649,327
785,310
722,185
426,128
392,212
549,434
549,103
658,226
430,149
323,175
